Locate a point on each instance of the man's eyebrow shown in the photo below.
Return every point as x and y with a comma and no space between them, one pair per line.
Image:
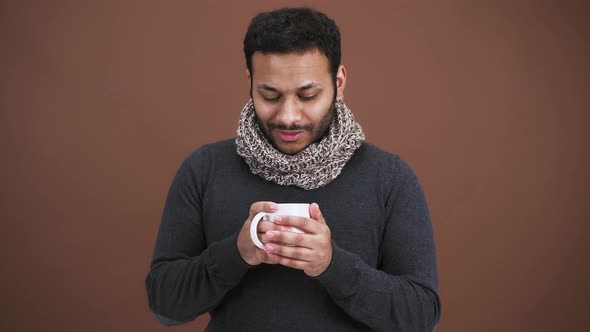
273,89
267,87
308,86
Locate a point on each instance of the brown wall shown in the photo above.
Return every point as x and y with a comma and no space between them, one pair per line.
101,101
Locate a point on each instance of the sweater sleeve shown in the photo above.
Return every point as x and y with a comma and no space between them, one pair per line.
187,277
401,293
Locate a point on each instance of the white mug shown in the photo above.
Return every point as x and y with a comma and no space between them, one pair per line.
290,209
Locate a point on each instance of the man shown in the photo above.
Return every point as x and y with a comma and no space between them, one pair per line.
366,259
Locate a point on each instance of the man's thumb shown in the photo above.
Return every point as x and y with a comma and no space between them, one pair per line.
315,213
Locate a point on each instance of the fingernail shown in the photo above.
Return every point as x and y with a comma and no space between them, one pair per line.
277,219
274,207
270,235
269,247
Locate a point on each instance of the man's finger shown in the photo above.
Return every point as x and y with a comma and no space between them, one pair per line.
265,226
263,257
315,213
285,255
289,239
306,225
263,206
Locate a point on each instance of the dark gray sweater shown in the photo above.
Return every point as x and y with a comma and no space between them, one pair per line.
382,277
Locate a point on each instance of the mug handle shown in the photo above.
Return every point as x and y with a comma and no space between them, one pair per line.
254,229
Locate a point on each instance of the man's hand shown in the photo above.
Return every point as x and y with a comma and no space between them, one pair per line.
249,252
310,252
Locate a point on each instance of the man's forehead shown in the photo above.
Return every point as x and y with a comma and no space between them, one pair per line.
295,70
297,62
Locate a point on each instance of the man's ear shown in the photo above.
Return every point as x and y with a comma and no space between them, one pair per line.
340,82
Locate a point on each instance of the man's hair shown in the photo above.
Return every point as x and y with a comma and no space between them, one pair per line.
289,30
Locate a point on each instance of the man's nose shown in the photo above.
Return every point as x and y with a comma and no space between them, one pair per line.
289,112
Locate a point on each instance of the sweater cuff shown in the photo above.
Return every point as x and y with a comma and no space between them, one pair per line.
228,264
340,277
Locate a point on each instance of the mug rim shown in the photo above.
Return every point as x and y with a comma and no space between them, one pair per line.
283,204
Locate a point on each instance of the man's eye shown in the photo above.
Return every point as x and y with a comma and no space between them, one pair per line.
307,98
271,99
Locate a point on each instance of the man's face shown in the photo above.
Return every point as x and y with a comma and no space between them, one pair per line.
293,96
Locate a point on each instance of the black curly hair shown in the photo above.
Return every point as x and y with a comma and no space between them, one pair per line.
289,30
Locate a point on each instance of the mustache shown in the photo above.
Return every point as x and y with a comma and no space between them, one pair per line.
293,127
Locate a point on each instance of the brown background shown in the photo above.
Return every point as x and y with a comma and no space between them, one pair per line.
101,101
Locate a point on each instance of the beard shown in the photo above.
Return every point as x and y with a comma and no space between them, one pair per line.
318,131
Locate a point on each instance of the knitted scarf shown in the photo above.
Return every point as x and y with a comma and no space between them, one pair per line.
313,167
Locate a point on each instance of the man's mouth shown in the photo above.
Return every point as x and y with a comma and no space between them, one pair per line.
290,136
